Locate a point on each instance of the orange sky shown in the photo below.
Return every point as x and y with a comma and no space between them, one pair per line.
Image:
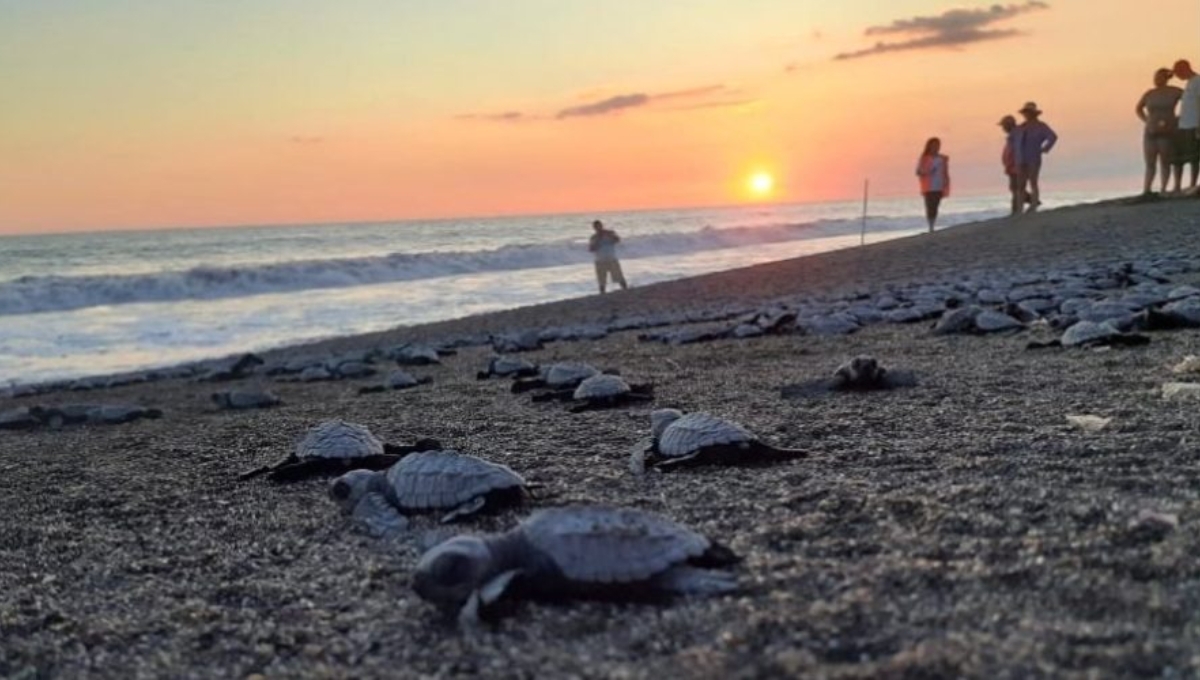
133,113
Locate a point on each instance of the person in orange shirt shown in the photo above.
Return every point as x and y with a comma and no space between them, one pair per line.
933,170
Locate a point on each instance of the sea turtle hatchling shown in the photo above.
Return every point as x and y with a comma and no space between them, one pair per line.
679,440
567,374
860,374
599,391
505,366
237,400
449,482
574,552
335,446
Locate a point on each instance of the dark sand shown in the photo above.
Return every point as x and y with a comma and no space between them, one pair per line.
959,528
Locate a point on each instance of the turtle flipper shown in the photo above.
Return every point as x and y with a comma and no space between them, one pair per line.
761,452
813,388
305,469
378,517
553,395
401,450
893,379
526,384
465,510
687,580
267,469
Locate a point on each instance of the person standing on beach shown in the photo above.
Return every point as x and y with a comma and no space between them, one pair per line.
603,245
1037,139
1187,139
1008,157
1156,109
933,170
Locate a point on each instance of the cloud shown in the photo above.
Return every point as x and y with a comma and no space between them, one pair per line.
504,117
605,106
952,28
704,96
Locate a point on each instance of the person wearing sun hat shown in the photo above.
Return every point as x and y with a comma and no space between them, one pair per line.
1036,140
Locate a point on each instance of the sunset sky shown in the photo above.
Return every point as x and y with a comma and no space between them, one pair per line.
156,113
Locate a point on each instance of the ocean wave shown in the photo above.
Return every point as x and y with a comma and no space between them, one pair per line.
33,294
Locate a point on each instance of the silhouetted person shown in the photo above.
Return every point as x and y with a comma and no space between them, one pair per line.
1037,139
1156,108
933,169
1187,140
1008,157
603,245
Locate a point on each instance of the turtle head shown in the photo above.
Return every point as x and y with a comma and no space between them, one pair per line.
662,418
862,369
448,573
350,488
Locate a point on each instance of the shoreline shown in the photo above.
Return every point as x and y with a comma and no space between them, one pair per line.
961,527
603,311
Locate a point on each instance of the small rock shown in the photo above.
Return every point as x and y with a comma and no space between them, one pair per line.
1179,390
1089,423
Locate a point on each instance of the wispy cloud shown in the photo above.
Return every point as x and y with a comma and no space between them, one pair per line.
953,28
605,106
704,96
503,117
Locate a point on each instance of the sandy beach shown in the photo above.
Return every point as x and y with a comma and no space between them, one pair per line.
959,528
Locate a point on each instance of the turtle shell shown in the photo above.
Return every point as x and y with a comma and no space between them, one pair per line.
600,544
436,480
569,373
508,365
338,439
694,431
399,380
601,386
1085,332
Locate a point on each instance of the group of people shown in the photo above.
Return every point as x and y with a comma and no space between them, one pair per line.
1171,141
1025,144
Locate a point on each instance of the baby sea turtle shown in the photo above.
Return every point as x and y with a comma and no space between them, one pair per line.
97,414
599,391
567,374
504,366
679,440
335,446
457,484
574,552
860,374
396,380
236,400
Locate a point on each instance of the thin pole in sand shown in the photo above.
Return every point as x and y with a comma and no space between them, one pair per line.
866,188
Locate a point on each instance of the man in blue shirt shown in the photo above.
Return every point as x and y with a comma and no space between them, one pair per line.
1035,139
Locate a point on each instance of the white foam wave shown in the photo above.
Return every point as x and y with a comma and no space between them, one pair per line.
32,294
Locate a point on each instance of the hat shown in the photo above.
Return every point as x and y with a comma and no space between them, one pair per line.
1030,107
1007,120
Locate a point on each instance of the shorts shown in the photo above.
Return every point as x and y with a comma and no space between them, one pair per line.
1187,147
609,268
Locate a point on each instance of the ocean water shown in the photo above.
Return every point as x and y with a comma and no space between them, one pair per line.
84,304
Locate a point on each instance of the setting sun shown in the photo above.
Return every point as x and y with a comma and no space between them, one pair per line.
761,184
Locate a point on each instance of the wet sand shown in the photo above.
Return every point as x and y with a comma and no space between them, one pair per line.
957,528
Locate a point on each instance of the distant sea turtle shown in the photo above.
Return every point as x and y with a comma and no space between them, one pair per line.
414,354
429,481
1093,334
504,366
679,440
336,446
396,380
860,374
600,391
573,552
98,414
244,399
557,376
